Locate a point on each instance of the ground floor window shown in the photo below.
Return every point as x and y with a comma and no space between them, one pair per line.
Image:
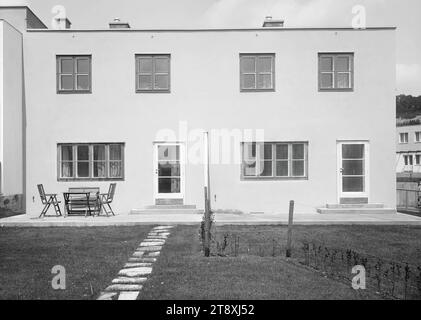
274,160
407,159
85,161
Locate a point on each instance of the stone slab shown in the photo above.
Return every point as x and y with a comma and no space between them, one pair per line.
135,272
151,244
162,227
128,280
138,254
107,295
137,264
148,259
153,254
151,248
128,295
124,287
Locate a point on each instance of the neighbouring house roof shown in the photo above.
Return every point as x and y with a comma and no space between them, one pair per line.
31,17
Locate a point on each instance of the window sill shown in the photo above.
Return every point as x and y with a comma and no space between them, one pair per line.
153,91
336,90
88,179
272,178
74,92
257,90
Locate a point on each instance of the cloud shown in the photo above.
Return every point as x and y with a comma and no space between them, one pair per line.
408,79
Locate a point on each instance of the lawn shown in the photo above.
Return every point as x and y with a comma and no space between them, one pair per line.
183,273
91,257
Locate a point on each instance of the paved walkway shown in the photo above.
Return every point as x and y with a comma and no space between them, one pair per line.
130,279
220,219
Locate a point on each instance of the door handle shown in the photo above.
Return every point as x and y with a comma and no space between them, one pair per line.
341,170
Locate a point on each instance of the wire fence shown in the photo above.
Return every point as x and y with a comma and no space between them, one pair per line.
398,280
393,279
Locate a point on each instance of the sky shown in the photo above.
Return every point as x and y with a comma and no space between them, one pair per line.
151,14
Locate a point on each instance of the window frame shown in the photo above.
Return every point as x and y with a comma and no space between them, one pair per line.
405,134
256,73
351,72
274,160
408,160
74,74
153,56
90,160
419,136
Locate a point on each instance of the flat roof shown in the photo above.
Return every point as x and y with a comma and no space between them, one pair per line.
281,29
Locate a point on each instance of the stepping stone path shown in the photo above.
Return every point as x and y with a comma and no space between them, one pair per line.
134,274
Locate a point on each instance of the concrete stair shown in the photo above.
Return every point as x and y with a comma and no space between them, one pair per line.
367,208
167,209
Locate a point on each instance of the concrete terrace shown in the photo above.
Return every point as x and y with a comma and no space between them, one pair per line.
220,219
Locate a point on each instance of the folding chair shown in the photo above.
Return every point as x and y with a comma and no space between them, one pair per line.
105,199
48,200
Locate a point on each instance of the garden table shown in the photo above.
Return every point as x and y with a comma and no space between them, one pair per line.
77,202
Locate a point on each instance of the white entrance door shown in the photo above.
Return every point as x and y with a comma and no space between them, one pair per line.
353,169
169,171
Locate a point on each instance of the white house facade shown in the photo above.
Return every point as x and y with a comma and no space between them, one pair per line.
304,114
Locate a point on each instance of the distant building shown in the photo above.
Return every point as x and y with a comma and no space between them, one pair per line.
408,151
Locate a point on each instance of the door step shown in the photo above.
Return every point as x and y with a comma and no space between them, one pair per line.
167,209
369,208
168,202
171,206
354,205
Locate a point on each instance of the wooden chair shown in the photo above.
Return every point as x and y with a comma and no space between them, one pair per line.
48,200
105,199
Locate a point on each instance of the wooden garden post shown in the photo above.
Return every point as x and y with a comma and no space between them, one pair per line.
289,234
207,226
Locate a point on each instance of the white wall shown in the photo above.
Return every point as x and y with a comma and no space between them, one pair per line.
11,136
205,93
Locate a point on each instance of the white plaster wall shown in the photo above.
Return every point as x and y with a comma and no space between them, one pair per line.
11,151
205,93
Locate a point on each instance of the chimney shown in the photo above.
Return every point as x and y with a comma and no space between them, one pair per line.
61,23
117,24
272,23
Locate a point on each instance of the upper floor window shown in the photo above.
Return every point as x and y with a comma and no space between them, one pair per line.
73,74
417,136
257,72
336,71
153,73
403,137
90,161
274,160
